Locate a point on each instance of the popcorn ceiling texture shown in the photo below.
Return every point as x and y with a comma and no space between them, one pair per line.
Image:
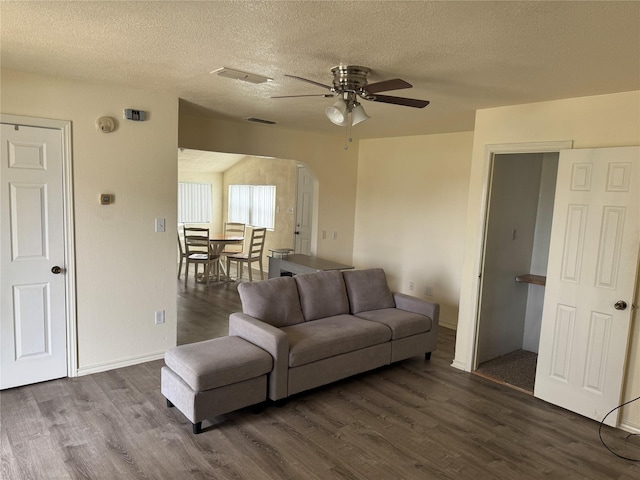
461,56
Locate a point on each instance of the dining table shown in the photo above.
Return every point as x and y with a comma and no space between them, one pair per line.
218,241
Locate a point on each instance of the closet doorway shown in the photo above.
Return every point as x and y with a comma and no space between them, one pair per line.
516,250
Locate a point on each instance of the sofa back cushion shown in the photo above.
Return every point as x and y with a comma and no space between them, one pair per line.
322,294
274,301
368,290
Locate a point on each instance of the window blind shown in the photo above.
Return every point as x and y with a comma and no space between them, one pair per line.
194,202
254,205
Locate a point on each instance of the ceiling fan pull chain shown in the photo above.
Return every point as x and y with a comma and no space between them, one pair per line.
346,137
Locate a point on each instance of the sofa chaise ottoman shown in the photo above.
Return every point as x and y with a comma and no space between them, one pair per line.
209,378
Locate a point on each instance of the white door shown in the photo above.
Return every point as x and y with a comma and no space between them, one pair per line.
32,296
304,212
593,263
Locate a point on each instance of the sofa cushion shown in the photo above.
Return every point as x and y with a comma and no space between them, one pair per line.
218,362
328,337
322,294
402,323
368,290
274,301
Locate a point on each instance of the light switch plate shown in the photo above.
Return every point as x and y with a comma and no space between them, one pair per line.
159,225
159,317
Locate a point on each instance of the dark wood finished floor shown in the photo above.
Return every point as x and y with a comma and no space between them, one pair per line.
203,311
414,420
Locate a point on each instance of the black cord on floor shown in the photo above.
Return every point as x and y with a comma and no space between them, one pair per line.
628,436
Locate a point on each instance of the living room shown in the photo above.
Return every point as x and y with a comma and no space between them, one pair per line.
407,203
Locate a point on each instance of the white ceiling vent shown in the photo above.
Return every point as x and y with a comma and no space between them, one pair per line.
240,75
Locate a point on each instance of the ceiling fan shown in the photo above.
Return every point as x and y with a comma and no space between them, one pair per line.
349,83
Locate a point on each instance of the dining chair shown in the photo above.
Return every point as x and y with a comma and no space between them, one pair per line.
183,255
198,251
254,254
233,229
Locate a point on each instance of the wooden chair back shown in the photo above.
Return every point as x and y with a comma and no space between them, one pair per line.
196,240
234,230
256,245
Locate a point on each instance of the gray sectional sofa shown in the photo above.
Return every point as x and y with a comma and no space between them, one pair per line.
325,326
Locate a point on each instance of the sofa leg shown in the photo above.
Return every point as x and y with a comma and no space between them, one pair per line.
427,356
169,404
196,428
259,408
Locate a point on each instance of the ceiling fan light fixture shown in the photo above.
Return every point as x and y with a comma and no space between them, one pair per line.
337,113
358,115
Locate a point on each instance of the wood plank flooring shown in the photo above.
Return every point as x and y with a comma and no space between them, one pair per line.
414,420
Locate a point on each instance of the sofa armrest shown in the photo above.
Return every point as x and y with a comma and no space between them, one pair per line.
418,305
272,340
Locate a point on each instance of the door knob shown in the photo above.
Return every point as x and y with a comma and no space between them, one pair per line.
56,270
620,305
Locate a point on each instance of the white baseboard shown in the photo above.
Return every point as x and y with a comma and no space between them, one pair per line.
629,427
450,326
460,365
104,367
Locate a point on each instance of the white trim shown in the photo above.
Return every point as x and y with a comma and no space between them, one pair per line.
106,366
450,326
629,427
467,360
69,242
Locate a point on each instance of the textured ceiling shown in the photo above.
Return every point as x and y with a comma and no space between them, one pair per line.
203,161
461,56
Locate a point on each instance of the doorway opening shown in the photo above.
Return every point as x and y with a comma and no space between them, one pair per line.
516,251
296,201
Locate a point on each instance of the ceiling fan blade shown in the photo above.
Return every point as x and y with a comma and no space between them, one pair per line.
407,102
324,95
386,85
310,81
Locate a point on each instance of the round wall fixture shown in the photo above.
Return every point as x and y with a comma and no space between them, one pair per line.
105,124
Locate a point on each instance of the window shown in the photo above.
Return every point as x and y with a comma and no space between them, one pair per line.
254,205
194,203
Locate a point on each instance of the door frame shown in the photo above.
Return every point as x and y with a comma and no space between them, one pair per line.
490,151
64,126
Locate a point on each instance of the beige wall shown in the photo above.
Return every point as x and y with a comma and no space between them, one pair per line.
598,121
410,213
334,168
124,270
268,171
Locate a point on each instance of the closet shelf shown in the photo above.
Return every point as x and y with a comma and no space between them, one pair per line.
534,279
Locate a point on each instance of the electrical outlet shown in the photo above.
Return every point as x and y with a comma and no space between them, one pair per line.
159,225
324,234
159,317
335,235
428,291
411,286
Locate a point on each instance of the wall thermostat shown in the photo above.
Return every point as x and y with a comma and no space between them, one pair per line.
105,124
106,198
135,115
